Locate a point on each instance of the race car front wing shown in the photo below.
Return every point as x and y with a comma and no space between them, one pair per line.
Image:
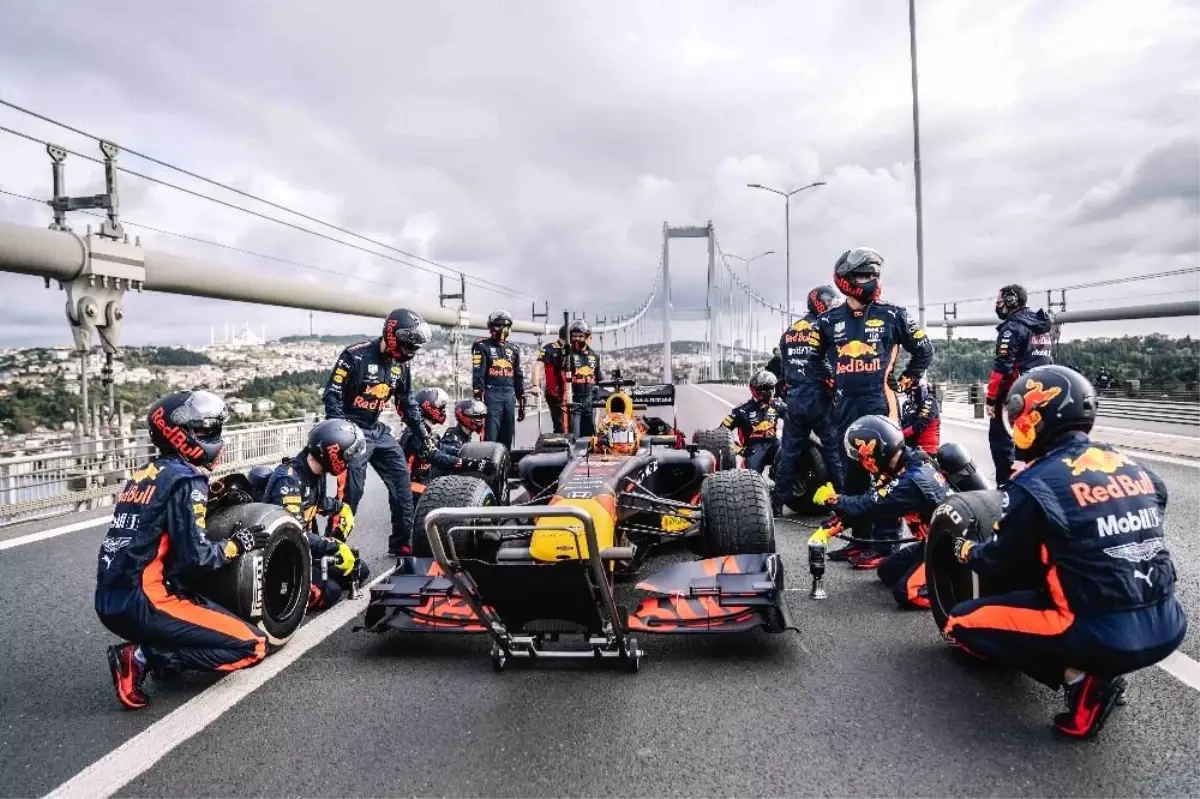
734,593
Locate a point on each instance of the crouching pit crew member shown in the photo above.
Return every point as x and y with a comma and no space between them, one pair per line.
756,422
1088,522
470,419
432,403
365,376
298,485
907,485
157,537
921,419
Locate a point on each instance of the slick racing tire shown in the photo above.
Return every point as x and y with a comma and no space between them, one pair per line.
452,491
267,587
736,514
551,442
971,514
720,443
497,455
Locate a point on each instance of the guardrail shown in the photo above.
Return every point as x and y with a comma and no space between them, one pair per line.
1111,405
90,473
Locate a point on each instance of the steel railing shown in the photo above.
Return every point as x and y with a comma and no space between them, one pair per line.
1111,404
87,474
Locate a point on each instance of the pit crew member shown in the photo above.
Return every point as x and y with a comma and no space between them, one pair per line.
1023,342
496,379
862,338
756,422
298,485
921,418
432,404
807,382
584,364
156,539
1088,521
907,485
363,379
470,418
551,360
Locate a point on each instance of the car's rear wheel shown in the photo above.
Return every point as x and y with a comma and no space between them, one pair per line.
972,515
720,443
267,587
453,491
737,518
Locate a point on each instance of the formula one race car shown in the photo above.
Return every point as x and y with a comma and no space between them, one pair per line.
532,551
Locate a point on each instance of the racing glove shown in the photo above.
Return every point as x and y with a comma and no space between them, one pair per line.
245,539
345,559
825,495
342,522
962,548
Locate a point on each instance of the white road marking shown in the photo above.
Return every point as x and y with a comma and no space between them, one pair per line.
721,400
53,532
1182,668
137,755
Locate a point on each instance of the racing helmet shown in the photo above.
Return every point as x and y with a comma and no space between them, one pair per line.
189,424
822,298
580,332
433,402
1045,404
618,434
404,333
500,324
334,443
856,274
471,415
873,442
562,334
1010,299
762,386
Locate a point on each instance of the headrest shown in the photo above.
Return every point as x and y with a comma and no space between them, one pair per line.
619,403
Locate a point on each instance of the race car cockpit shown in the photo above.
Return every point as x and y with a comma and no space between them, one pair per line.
619,432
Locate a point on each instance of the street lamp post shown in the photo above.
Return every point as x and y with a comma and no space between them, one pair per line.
787,228
749,287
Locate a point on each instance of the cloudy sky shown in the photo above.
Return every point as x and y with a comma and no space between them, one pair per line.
543,144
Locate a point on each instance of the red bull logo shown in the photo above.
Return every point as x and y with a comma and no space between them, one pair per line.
1025,426
866,454
175,436
378,391
337,464
1120,486
1095,459
138,495
856,349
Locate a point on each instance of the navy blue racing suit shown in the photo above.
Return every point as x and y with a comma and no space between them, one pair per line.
422,464
445,460
362,382
913,495
157,537
1023,341
303,494
496,378
806,388
755,425
1086,522
585,373
863,346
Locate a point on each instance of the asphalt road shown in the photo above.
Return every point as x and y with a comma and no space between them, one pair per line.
865,701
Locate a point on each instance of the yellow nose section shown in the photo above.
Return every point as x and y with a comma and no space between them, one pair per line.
559,538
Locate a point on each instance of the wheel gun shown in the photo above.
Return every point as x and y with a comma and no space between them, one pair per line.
816,554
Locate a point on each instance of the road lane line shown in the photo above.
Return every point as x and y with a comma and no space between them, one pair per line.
137,755
53,533
1178,665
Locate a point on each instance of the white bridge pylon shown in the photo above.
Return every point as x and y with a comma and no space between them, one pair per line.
705,314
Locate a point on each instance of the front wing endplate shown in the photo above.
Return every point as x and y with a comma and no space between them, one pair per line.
420,599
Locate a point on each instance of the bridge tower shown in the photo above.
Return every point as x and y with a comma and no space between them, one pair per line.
704,314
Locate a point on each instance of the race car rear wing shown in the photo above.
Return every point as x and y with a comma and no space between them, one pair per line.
652,396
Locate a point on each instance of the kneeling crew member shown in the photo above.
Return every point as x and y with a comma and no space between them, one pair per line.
298,485
1088,522
432,403
756,422
921,419
908,486
496,378
157,537
470,418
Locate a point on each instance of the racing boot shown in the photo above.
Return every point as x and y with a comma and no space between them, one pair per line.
128,675
402,551
848,552
1089,701
868,558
